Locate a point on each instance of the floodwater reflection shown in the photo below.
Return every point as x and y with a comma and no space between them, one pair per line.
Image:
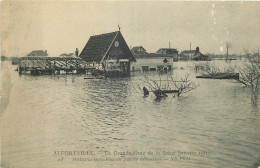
49,113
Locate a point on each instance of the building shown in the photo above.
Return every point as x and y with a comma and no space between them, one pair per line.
138,50
110,51
188,54
174,53
67,55
38,53
193,55
171,51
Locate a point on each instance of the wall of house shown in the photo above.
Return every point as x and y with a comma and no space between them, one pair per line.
151,63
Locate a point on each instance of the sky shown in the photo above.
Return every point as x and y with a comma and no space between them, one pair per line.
62,26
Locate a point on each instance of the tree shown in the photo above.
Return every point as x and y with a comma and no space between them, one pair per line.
161,87
249,74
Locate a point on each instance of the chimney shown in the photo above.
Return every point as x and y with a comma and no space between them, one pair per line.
197,49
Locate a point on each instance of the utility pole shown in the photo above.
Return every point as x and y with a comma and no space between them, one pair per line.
228,45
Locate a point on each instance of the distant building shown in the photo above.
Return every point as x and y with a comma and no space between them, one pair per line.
174,53
193,55
138,50
110,51
67,55
167,51
38,53
188,54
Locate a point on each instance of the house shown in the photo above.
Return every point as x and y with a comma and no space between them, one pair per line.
170,52
167,51
67,55
188,54
110,51
193,55
38,53
138,50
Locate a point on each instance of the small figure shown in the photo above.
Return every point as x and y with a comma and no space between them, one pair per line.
146,92
165,60
77,52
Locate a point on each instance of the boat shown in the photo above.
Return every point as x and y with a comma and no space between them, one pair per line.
220,76
94,77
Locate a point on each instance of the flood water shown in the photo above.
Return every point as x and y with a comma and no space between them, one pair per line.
215,125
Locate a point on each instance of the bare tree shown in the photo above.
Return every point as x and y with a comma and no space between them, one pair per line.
249,73
161,87
228,45
184,85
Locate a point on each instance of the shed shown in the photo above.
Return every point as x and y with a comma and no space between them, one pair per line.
110,50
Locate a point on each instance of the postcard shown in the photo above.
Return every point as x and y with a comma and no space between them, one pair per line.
130,84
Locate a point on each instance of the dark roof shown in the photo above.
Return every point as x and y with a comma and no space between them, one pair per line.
196,54
153,55
188,51
37,53
65,54
171,49
98,46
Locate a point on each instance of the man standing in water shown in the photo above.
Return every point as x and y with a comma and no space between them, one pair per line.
165,60
77,52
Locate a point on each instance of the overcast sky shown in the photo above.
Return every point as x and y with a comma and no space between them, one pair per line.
60,27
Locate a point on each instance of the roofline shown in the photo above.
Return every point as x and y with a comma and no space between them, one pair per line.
167,49
188,50
103,34
138,46
109,47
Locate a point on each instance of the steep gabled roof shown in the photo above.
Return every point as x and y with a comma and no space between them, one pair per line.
97,46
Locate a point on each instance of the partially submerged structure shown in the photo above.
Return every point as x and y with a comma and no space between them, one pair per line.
38,53
171,51
110,51
52,65
193,55
67,55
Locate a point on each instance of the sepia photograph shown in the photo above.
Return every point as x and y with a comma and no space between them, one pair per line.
135,84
